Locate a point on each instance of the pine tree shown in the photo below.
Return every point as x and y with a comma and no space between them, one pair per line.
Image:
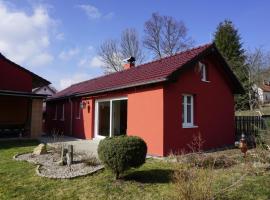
228,41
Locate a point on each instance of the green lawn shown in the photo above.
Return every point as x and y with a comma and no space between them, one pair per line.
152,181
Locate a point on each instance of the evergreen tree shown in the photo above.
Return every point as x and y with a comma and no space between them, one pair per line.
228,41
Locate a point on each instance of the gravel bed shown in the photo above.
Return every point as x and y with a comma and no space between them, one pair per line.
48,165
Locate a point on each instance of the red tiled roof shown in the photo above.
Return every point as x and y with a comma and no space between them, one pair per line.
156,71
265,88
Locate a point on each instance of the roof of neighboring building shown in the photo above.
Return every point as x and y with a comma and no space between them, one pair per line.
265,88
37,80
49,87
21,94
153,72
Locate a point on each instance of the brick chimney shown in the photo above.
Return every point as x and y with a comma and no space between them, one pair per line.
129,63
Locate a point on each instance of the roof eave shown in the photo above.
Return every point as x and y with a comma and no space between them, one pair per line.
22,94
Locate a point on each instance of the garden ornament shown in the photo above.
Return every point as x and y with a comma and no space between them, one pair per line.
243,145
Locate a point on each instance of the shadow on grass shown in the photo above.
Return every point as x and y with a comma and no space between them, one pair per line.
150,176
7,144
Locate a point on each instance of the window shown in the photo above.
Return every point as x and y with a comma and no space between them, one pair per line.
203,71
55,113
63,112
78,110
187,111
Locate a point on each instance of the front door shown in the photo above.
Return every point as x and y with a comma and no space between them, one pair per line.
110,117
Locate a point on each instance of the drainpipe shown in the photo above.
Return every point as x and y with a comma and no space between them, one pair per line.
71,113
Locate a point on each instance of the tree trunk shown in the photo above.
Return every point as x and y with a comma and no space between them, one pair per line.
116,175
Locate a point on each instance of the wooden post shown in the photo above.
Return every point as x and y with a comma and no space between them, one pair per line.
70,151
63,155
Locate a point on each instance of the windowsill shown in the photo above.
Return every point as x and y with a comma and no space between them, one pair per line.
205,81
77,118
62,119
189,126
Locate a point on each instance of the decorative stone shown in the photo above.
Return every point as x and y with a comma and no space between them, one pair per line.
69,161
48,167
40,149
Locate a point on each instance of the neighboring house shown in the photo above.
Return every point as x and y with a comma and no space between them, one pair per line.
46,90
264,93
166,102
20,108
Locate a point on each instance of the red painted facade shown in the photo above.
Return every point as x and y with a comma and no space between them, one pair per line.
154,112
14,79
213,109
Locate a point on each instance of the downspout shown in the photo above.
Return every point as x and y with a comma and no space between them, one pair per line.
71,114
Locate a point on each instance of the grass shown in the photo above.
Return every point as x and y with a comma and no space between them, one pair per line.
151,181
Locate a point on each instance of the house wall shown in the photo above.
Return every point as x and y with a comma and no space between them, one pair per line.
266,97
58,125
144,118
213,109
12,78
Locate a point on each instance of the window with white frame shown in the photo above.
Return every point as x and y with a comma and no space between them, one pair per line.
78,109
55,113
63,112
203,71
187,110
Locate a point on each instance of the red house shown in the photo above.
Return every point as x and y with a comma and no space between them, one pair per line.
20,109
166,102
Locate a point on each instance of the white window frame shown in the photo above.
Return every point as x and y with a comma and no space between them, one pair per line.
55,113
203,72
97,136
63,112
186,124
78,110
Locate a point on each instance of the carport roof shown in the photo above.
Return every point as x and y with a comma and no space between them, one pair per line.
22,94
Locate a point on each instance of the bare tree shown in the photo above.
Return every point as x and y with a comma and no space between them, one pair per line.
112,52
130,45
165,36
111,56
258,66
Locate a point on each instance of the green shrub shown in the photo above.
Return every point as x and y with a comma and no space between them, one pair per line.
120,153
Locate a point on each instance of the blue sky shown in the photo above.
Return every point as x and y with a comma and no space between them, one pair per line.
59,39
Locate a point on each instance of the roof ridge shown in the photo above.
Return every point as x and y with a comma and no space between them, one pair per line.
141,65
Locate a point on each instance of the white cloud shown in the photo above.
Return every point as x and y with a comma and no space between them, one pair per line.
109,15
41,59
94,62
93,12
66,55
76,78
25,38
60,36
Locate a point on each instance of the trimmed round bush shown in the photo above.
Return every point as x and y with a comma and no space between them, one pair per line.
120,153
